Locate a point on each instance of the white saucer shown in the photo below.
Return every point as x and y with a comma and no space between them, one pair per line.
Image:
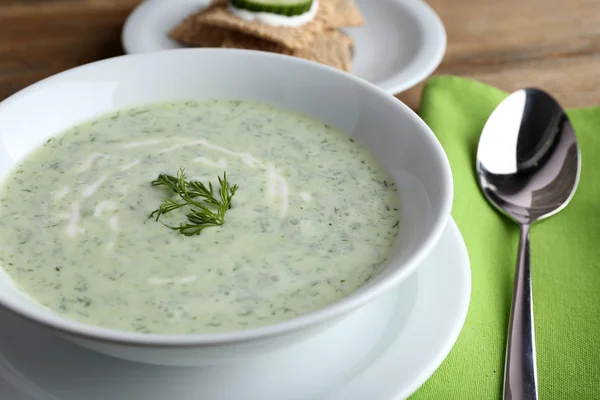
384,351
401,44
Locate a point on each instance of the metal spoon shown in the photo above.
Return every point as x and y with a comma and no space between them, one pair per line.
528,166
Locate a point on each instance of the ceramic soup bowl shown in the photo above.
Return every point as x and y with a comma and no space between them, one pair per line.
397,137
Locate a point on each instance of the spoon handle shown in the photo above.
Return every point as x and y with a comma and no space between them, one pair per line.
520,376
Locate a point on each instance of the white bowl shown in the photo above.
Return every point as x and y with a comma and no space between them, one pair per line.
393,132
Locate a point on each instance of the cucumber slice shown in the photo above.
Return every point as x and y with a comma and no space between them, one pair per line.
288,8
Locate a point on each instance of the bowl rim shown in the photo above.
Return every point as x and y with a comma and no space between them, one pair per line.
76,329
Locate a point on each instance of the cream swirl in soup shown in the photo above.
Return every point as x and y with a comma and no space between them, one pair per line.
314,218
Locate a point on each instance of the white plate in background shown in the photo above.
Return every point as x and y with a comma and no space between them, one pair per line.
400,45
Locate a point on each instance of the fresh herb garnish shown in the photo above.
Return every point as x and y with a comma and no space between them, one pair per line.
206,210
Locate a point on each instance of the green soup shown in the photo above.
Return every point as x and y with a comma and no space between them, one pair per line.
313,219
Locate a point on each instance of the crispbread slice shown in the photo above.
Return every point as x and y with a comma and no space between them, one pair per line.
346,14
238,40
191,32
216,27
294,38
331,48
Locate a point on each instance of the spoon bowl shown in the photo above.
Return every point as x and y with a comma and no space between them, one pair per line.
528,159
528,167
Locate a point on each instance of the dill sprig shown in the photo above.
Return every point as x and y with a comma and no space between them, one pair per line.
205,209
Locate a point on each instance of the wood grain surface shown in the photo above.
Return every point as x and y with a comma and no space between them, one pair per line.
553,44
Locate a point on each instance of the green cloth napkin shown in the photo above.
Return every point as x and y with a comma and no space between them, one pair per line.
565,259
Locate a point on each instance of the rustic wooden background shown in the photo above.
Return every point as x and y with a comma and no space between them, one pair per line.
554,44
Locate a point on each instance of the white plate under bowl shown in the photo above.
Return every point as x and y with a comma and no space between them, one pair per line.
400,45
421,322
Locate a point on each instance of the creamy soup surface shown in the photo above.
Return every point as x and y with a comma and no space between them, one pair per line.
313,219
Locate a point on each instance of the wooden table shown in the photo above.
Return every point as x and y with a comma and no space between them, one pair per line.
554,44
